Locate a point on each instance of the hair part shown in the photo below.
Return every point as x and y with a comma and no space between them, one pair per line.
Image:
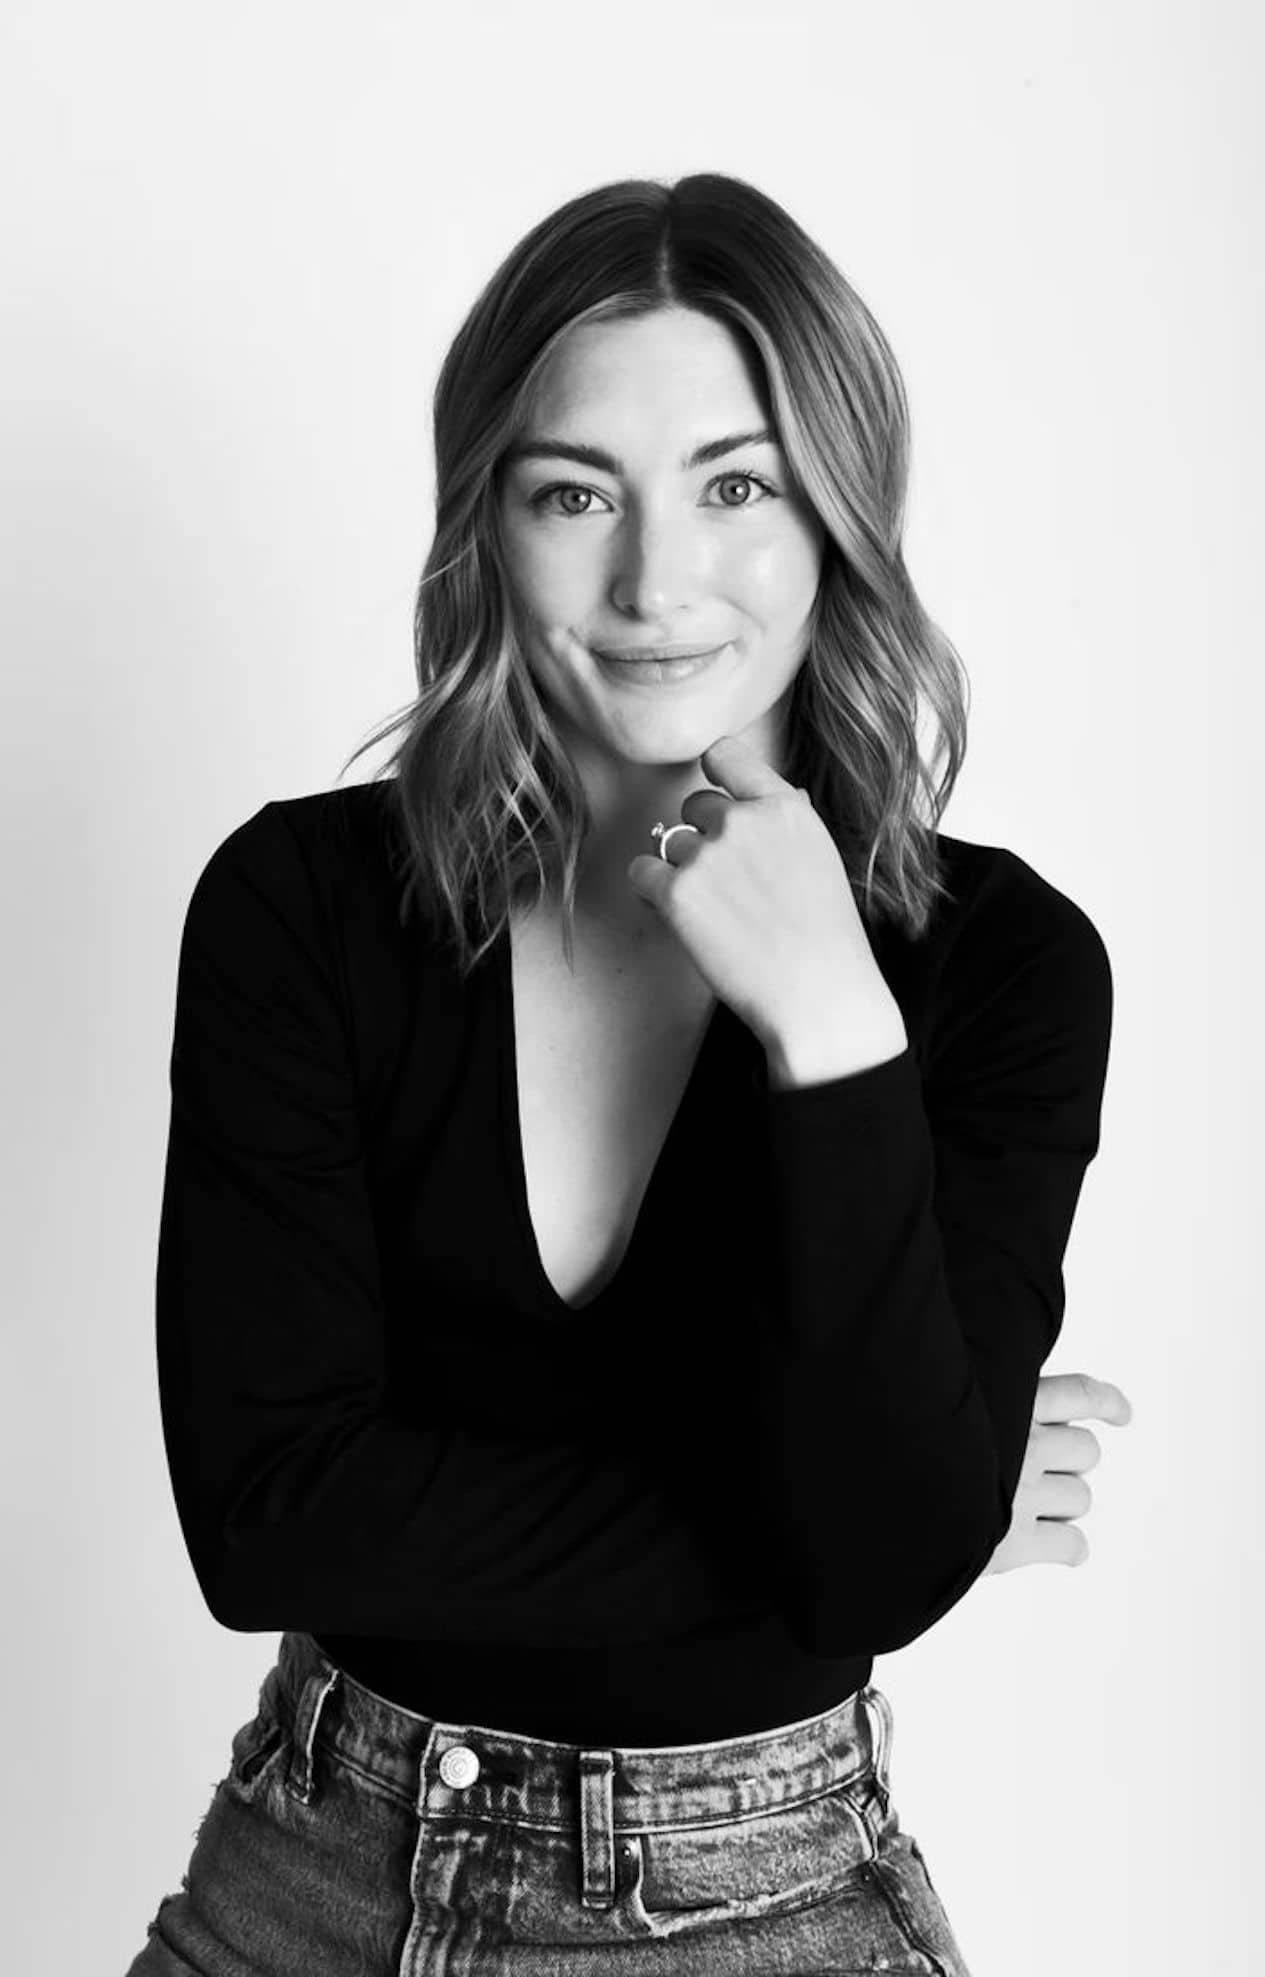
488,805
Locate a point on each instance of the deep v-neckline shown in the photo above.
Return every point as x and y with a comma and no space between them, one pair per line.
513,1150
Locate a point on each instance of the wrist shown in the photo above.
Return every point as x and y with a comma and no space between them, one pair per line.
814,1054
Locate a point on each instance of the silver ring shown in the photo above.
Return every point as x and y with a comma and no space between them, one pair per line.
662,832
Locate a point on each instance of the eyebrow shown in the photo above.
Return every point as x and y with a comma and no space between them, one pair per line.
548,448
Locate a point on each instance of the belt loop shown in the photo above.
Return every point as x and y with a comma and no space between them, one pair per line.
597,1828
878,1712
299,1781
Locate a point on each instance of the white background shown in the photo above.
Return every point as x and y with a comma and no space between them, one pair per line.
236,243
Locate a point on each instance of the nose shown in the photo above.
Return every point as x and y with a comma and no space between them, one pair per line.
658,567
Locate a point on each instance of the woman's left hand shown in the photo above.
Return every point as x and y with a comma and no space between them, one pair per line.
1052,1493
762,902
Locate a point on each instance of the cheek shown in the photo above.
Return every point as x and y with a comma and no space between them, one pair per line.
550,579
777,576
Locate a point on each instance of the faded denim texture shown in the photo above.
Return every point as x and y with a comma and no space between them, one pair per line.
352,1836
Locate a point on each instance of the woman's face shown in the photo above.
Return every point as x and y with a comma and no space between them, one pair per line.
670,530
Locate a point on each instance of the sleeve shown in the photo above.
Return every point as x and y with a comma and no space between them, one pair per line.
303,1503
921,1220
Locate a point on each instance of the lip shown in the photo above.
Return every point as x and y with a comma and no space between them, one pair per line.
640,655
644,670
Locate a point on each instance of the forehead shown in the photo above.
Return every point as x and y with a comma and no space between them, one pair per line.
674,364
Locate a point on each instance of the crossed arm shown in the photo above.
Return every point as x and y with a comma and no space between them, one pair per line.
299,1489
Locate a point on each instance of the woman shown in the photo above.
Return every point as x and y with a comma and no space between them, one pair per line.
601,1310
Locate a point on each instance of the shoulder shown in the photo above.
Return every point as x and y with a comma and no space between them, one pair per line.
1014,963
1005,916
301,853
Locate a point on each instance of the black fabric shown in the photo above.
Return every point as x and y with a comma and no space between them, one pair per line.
784,1438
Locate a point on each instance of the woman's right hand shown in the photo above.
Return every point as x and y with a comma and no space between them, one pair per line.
1052,1492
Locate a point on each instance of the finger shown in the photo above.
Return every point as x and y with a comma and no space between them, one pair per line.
1078,1396
739,769
1056,1495
1062,1447
1059,1543
651,877
705,809
1039,1541
682,845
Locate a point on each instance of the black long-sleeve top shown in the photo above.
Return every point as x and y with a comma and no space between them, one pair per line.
784,1438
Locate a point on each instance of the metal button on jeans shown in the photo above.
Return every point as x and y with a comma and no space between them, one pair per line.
459,1766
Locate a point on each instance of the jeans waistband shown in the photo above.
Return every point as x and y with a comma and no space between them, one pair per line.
488,1773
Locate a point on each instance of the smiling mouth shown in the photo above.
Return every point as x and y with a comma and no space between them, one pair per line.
633,655
643,670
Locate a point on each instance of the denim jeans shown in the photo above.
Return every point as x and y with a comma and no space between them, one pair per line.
353,1836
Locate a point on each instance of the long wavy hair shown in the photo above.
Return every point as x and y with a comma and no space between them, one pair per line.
489,806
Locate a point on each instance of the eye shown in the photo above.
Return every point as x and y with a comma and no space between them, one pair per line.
546,494
754,480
